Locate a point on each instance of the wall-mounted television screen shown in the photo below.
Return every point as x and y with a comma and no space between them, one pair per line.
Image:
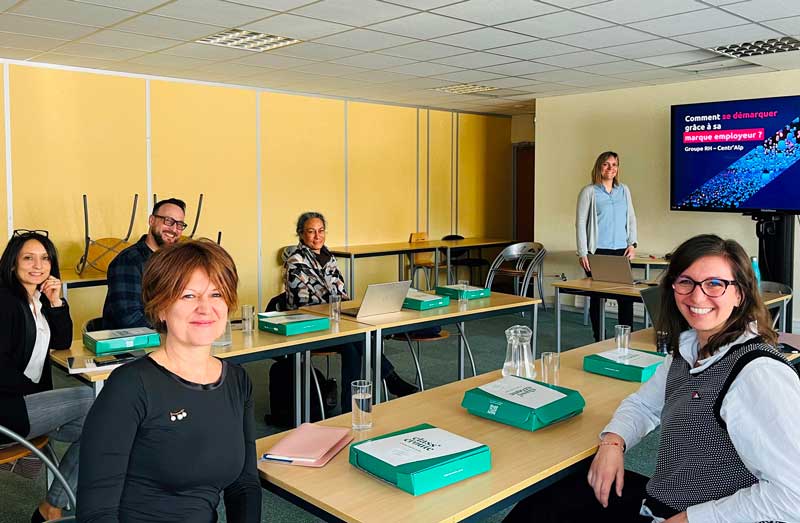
737,156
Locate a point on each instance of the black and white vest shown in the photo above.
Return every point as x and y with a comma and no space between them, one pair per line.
697,461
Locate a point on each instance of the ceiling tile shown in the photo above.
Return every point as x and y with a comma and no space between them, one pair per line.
737,71
167,27
47,28
475,60
424,51
562,75
129,40
578,59
328,69
539,87
520,68
626,11
35,43
74,12
655,74
486,38
380,77
75,61
131,5
604,37
570,4
373,61
624,66
214,12
509,82
424,69
492,12
11,53
354,12
232,69
275,5
686,57
207,51
365,40
536,49
273,61
724,2
595,81
789,26
129,67
98,51
758,10
782,61
312,51
166,60
425,83
649,48
556,24
298,27
729,35
424,4
703,20
469,76
425,26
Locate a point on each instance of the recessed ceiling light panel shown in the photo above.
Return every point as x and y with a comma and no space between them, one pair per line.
247,40
464,89
759,47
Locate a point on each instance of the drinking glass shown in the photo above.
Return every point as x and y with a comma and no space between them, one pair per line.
361,392
622,333
551,364
248,312
662,342
463,285
336,308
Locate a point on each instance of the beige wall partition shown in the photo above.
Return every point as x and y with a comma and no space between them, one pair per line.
572,130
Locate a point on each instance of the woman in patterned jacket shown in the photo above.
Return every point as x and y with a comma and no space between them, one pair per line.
312,277
726,401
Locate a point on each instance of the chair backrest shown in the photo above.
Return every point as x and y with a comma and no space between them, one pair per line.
92,325
277,303
651,297
776,287
524,256
456,253
420,258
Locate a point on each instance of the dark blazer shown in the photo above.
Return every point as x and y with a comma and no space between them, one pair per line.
17,337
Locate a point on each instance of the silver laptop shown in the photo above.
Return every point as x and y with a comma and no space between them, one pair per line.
381,298
614,269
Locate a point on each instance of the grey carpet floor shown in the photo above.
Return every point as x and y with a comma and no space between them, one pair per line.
438,360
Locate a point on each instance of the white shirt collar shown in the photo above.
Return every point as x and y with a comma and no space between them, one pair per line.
689,347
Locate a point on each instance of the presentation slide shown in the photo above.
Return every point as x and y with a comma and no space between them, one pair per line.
736,156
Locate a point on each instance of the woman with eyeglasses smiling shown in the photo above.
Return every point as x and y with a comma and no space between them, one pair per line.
726,401
34,319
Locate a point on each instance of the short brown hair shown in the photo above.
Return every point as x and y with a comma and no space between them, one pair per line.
597,170
169,269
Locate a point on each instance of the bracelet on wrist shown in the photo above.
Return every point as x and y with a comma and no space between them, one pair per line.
614,443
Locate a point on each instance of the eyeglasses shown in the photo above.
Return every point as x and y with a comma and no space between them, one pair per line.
313,231
711,287
24,232
169,222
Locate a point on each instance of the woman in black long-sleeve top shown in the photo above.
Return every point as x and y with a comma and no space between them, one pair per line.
34,319
171,431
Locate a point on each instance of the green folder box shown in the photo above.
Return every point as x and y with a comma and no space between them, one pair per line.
423,476
486,405
422,301
455,291
120,340
291,323
597,364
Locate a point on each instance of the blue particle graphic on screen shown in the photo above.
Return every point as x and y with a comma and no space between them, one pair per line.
740,181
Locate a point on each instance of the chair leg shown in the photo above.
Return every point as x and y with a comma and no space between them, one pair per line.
469,351
319,392
51,453
416,362
385,390
540,283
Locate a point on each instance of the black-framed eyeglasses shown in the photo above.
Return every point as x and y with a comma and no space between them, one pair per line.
169,222
23,232
711,287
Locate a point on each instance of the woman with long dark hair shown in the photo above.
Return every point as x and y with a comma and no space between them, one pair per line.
35,318
726,401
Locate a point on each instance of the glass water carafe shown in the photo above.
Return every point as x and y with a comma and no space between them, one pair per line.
519,354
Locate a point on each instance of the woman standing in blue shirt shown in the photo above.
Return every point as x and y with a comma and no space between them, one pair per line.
605,223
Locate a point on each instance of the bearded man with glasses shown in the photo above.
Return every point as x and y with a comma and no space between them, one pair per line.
123,307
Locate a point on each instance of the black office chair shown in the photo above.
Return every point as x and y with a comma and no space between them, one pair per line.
460,258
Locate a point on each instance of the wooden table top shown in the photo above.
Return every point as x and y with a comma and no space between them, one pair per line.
495,302
242,344
519,458
378,249
587,284
647,260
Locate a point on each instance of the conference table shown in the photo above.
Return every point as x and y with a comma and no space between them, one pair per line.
602,291
255,346
70,279
522,462
403,249
407,320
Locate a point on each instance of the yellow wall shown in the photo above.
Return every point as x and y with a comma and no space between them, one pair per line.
78,132
302,169
204,141
572,130
3,192
522,128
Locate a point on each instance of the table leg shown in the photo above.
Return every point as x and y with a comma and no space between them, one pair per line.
586,310
307,388
298,419
352,269
783,316
64,288
557,306
602,318
377,387
461,351
534,327
647,278
436,268
449,282
367,355
401,265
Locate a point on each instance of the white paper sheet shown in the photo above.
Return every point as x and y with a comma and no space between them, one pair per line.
416,446
292,318
421,296
522,392
634,358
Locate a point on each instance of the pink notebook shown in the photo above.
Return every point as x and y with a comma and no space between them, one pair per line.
309,445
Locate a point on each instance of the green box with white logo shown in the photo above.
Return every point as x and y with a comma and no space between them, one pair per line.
291,323
120,340
455,291
623,369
